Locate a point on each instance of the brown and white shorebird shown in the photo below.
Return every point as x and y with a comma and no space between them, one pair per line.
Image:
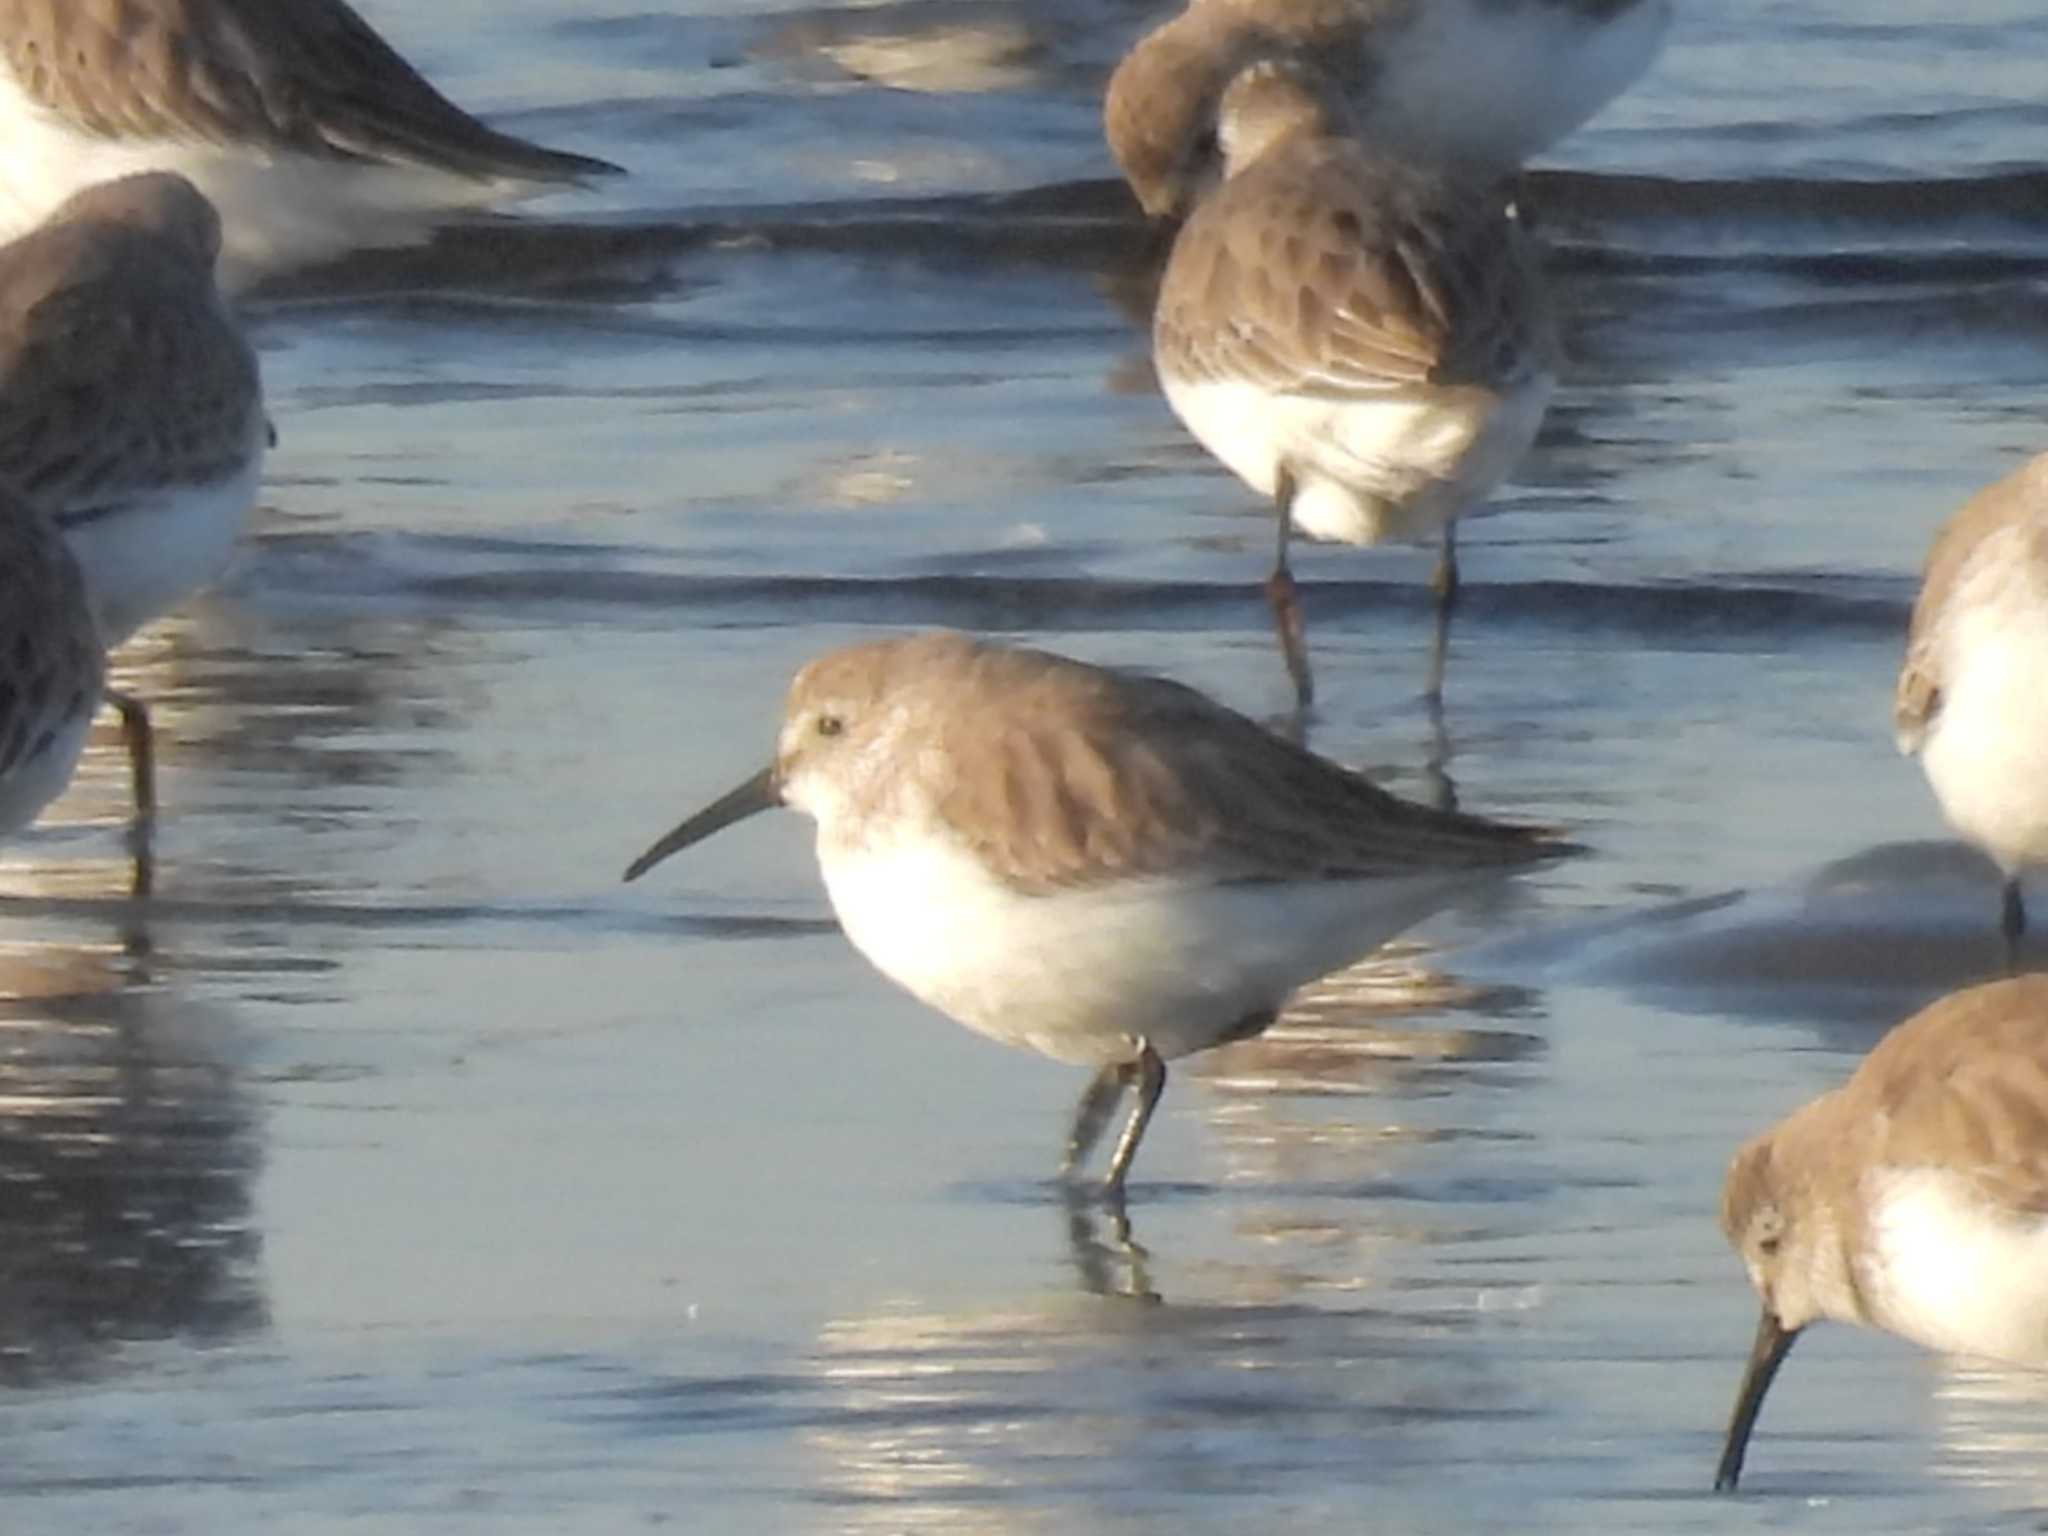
1476,86
1913,1198
1365,341
307,131
131,410
1972,703
1107,868
52,664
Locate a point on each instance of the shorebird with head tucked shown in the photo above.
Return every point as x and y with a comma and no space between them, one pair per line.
1107,868
1475,86
130,406
52,664
1913,1198
302,126
1365,341
1971,702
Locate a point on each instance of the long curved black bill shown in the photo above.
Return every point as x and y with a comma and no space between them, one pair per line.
1773,1344
760,793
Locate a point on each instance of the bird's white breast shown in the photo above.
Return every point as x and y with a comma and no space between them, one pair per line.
1396,466
1986,754
1954,1272
147,556
1083,975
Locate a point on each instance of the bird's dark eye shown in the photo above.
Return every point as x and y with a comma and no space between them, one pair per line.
830,725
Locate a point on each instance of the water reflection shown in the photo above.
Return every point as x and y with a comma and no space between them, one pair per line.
1329,1332
1992,1428
127,1153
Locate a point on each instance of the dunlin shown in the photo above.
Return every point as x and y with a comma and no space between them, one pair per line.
51,663
130,407
308,132
1913,1198
1106,868
1474,85
1971,701
1365,341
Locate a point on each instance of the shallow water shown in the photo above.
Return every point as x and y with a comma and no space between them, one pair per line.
395,1164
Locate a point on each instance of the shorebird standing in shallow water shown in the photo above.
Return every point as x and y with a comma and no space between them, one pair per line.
1972,699
1365,341
1106,868
52,664
1476,86
1913,1198
301,125
130,406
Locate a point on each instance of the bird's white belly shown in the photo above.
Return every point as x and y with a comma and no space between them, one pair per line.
1085,975
1393,467
1954,1273
144,558
1986,754
1490,84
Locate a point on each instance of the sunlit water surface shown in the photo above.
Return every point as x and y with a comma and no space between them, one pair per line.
395,1167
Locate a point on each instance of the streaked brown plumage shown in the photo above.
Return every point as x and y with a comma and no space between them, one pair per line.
1064,776
122,374
308,76
1477,85
1103,867
1366,342
1969,701
1329,269
131,410
52,665
1913,1198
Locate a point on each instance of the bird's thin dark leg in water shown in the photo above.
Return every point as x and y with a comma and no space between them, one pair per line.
1090,1116
2012,923
1443,789
1149,1073
140,740
1282,593
1445,585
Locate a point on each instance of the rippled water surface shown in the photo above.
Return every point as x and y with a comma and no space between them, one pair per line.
395,1167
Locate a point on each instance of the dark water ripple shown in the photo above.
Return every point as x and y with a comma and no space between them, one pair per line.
1733,609
1940,229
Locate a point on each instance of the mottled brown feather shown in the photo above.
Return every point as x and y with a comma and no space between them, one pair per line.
51,662
1061,775
308,76
1324,269
1961,1087
121,373
2012,503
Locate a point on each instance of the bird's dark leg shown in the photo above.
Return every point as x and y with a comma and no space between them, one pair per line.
2012,923
1445,584
1148,1072
1285,598
140,740
1091,1115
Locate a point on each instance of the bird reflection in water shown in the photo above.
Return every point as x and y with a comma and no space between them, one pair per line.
128,1153
1106,1258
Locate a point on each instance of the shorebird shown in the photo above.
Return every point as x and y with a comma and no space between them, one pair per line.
1477,86
1913,1198
302,126
1971,702
52,664
1107,868
130,406
1365,341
